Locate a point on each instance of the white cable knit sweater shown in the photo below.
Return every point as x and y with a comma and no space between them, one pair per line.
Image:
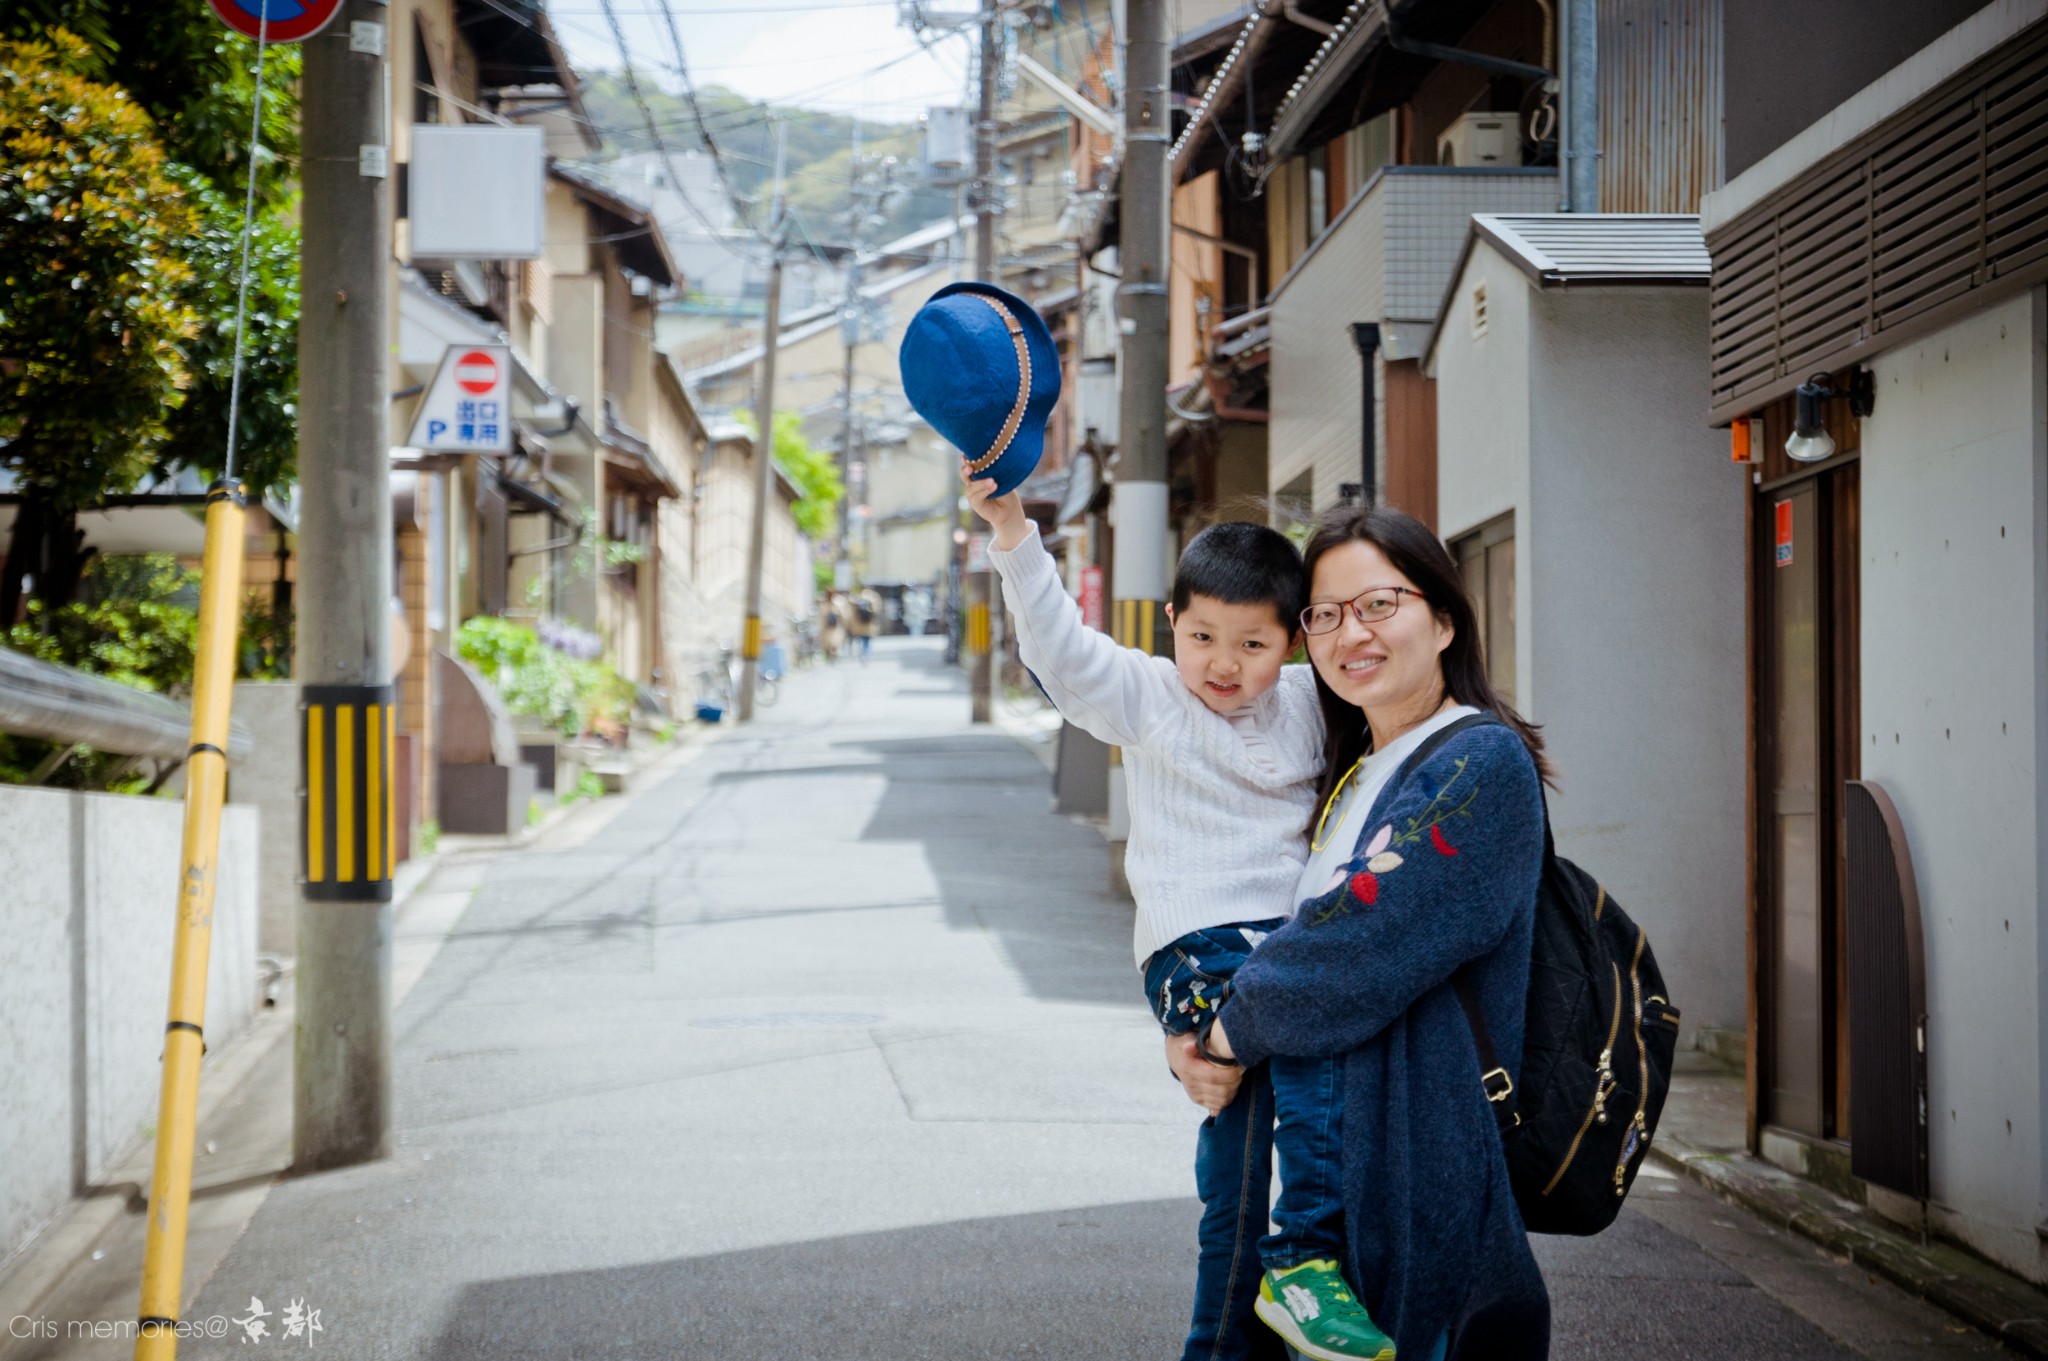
1217,804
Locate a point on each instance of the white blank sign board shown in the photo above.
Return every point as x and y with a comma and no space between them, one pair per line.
476,191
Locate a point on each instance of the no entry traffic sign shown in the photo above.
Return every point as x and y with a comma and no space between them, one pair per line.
476,372
289,20
468,406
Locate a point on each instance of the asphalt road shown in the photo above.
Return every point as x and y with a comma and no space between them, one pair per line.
829,1046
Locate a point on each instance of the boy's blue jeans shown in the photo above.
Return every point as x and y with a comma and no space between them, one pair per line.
1288,1104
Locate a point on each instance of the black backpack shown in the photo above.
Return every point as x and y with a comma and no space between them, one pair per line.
1596,1046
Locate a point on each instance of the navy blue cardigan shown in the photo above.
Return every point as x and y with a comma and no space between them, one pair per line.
1444,873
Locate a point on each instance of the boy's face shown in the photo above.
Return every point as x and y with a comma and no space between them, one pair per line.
1228,655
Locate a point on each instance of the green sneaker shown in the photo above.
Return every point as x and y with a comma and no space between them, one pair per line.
1316,1312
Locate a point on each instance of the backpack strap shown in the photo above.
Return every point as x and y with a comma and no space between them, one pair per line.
1493,1074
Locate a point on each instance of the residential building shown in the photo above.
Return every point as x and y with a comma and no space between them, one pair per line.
1880,246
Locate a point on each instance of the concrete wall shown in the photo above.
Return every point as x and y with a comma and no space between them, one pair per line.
88,918
1955,591
1482,422
1776,84
1635,625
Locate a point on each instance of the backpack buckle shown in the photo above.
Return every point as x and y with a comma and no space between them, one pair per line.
1497,1091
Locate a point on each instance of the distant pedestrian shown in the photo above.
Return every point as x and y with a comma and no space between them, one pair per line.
832,630
1406,884
867,617
1223,747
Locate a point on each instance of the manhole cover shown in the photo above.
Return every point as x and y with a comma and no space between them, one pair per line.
787,1019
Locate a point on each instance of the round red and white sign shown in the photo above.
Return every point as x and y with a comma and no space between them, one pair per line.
277,21
476,372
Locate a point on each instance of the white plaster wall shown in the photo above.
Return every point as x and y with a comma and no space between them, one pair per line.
1952,711
1635,625
89,920
1482,423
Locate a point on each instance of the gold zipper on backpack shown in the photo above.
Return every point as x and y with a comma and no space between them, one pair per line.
1630,1145
1602,1088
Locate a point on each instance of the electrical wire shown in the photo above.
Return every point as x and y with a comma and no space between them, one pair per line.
654,134
248,236
682,70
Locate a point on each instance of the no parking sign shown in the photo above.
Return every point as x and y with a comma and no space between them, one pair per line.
288,20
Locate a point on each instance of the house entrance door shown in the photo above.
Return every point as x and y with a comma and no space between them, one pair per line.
1806,747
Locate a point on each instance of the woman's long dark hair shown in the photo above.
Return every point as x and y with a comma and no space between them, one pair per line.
1422,558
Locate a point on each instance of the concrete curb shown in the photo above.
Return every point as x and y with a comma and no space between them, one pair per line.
1976,1292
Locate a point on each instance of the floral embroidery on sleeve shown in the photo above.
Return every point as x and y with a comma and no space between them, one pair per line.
1380,856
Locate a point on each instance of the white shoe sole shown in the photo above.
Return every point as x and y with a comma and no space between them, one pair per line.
1276,1317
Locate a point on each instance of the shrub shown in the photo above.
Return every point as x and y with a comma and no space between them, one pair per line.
574,695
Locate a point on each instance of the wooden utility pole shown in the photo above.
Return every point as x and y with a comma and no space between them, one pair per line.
341,1110
984,602
764,446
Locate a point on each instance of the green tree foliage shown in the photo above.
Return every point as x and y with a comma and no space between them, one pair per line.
815,472
266,455
95,301
192,77
168,74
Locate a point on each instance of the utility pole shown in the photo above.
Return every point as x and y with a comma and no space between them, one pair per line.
1139,507
764,445
984,602
851,323
341,1111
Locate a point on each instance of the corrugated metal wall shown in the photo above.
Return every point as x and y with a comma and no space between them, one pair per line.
1660,104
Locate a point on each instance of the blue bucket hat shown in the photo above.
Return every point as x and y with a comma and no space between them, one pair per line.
980,366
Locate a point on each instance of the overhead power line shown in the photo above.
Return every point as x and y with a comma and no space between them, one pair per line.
682,70
654,134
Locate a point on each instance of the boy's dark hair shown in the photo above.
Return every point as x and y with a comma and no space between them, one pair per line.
1241,563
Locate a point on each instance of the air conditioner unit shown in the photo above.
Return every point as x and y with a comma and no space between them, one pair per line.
1481,139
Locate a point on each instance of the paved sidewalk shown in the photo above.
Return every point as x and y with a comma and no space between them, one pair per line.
828,1046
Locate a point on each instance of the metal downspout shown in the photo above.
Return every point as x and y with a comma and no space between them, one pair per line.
1580,152
1365,335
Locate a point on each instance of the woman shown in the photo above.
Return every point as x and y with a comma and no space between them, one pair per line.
1407,884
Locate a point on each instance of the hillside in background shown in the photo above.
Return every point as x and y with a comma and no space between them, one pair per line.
819,153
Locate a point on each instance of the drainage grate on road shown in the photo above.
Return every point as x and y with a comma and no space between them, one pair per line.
787,1019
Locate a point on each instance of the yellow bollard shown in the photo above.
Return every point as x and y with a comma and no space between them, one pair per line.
206,771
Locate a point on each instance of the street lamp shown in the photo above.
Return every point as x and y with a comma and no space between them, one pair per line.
1809,441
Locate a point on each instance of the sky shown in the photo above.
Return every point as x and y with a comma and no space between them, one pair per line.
846,56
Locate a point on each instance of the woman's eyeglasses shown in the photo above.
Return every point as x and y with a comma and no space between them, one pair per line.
1374,606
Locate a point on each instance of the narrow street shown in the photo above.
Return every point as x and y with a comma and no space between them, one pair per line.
826,1046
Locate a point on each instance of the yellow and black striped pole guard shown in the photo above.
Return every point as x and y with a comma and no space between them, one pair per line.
348,844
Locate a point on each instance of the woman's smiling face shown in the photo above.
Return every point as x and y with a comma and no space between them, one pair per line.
1392,667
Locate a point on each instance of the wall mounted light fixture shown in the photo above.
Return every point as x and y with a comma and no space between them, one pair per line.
1809,441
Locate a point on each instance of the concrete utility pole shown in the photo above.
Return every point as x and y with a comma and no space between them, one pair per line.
983,600
764,446
1138,509
341,1111
1140,505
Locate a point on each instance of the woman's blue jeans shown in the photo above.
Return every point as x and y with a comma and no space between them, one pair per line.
1288,1104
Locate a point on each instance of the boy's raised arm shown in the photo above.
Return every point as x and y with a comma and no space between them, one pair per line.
1110,691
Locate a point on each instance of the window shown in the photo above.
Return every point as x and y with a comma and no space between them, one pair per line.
1486,562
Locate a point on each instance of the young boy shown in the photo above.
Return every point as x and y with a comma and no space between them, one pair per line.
1222,747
